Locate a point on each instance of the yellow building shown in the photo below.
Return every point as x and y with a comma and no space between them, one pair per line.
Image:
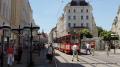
21,13
5,15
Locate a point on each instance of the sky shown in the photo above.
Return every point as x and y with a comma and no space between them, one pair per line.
47,12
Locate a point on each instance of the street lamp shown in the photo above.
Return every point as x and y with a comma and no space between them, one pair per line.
39,37
19,30
114,37
5,32
31,28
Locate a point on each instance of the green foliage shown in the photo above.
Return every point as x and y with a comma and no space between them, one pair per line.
86,33
100,30
106,35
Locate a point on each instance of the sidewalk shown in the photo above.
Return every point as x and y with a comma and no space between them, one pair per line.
23,62
41,61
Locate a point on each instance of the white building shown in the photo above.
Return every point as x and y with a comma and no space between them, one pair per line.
116,23
77,14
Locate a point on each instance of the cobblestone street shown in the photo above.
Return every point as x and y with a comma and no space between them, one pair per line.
99,60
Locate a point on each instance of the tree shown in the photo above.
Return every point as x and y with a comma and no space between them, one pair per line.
86,33
100,30
106,35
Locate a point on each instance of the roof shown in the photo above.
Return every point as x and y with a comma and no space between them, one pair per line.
79,3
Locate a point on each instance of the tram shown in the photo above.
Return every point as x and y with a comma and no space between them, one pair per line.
66,42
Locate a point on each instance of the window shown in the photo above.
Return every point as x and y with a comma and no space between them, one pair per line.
74,17
69,11
87,10
87,25
69,17
87,17
81,24
81,10
69,24
74,25
81,17
74,10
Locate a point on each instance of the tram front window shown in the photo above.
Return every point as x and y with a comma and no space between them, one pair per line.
74,40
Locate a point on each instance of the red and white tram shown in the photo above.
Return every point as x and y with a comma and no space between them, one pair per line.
66,42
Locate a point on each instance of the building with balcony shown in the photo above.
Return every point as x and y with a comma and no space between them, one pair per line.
77,15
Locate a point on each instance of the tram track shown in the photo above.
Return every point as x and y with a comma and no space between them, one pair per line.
107,62
92,61
72,65
98,62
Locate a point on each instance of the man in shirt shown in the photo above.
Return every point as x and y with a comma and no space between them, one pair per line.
75,52
88,48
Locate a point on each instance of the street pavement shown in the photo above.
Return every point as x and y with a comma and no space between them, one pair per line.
39,61
100,59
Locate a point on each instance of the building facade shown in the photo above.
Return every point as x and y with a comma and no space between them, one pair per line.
14,13
5,16
116,23
21,13
77,15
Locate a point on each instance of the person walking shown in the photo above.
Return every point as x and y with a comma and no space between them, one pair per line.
50,53
92,49
88,48
107,47
10,52
75,52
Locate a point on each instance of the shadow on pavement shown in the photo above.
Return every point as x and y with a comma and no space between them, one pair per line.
41,61
66,64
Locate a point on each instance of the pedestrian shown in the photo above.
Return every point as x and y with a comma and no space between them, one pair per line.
20,51
75,52
10,52
107,47
88,48
92,48
50,53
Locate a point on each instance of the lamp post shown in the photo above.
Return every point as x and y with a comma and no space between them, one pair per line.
5,30
114,37
31,28
19,30
39,37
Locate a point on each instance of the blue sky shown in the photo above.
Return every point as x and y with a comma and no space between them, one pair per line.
47,12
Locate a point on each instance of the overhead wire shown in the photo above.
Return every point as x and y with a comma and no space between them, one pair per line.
61,3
